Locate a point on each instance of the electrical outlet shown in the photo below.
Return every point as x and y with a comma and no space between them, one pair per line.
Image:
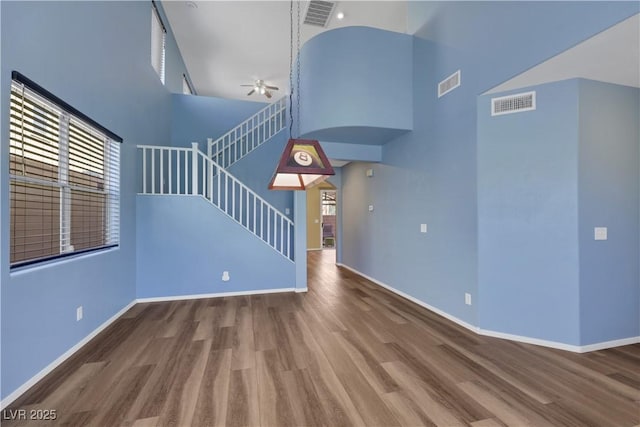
467,298
600,233
369,173
287,211
423,228
225,276
79,314
370,208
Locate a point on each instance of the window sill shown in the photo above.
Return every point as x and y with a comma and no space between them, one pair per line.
19,270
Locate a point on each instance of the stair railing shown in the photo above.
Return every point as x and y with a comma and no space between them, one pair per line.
188,171
248,135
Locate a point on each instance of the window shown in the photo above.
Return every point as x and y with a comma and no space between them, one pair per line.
186,86
158,36
328,203
64,178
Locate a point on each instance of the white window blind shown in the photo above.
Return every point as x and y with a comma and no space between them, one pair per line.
64,180
158,37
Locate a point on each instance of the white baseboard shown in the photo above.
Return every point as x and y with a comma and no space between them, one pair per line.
502,335
609,344
37,377
216,295
529,340
413,299
314,249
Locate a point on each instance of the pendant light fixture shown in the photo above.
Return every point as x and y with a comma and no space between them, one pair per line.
303,164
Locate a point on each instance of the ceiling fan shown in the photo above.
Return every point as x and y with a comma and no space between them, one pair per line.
262,88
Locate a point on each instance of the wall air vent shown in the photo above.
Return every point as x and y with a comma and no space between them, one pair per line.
513,103
449,84
319,13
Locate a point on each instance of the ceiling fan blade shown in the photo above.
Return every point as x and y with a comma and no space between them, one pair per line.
271,87
267,94
251,92
248,85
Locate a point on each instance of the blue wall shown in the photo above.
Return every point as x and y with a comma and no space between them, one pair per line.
608,193
429,175
528,271
196,118
355,86
185,243
73,50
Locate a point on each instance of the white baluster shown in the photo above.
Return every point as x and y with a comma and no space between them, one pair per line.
186,172
226,193
247,208
233,198
219,204
288,239
210,175
269,225
194,168
178,171
153,171
170,172
144,170
281,233
161,151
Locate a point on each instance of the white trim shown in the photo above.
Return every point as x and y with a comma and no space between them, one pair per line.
502,335
301,290
314,249
413,299
609,344
37,377
216,295
529,340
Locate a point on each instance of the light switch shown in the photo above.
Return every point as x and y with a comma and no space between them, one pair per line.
316,220
423,228
287,211
369,173
600,233
370,208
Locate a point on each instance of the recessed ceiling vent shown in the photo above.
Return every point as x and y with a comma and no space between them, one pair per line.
449,84
513,103
319,12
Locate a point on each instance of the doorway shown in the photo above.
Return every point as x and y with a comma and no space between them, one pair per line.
328,227
322,218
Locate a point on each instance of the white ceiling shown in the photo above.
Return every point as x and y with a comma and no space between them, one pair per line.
611,56
228,43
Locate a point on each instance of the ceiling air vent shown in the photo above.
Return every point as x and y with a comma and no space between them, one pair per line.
513,103
449,84
319,12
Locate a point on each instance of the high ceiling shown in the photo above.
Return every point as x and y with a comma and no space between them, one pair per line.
611,56
228,43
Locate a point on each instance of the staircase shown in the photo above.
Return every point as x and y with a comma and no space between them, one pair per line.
190,172
248,135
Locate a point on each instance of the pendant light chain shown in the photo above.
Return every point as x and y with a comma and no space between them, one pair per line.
303,163
298,73
291,69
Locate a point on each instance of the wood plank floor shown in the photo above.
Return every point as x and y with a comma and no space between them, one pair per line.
346,353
